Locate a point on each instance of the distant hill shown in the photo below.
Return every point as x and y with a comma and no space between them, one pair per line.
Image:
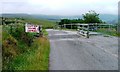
109,18
16,15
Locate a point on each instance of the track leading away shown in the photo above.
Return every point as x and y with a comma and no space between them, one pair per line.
72,52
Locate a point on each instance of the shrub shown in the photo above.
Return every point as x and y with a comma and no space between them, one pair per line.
20,34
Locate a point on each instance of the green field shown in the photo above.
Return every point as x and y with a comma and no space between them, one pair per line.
111,32
44,23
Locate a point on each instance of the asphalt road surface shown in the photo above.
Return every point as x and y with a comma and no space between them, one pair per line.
72,52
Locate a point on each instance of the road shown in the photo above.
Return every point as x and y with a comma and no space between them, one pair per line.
72,52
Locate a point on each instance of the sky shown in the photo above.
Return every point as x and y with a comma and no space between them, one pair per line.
59,7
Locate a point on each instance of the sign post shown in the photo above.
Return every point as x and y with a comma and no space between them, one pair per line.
32,28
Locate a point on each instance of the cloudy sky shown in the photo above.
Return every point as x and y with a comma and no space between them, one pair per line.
59,7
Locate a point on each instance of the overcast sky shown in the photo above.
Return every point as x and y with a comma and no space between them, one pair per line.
59,7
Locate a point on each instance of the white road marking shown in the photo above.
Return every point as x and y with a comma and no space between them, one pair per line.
71,39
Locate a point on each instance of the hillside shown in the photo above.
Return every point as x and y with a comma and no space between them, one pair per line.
16,15
109,18
44,23
25,19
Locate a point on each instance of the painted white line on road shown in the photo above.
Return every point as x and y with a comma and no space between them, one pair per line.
71,32
51,30
60,34
57,34
70,39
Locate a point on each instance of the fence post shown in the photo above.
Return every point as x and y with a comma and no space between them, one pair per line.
88,31
71,26
64,25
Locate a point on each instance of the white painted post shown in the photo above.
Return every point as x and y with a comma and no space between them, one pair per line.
64,25
88,31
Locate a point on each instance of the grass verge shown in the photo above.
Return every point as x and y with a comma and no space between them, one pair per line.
45,32
36,59
0,47
18,55
111,32
24,51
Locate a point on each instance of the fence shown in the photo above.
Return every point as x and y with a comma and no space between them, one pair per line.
84,29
